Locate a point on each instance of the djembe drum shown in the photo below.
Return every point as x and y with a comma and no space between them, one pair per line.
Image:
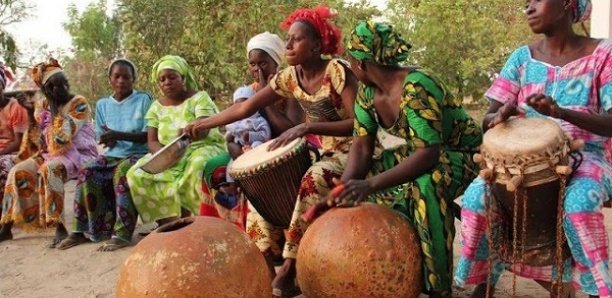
270,179
526,162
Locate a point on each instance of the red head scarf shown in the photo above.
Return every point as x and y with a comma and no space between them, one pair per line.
320,19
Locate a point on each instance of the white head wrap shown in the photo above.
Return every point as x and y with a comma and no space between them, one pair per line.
269,43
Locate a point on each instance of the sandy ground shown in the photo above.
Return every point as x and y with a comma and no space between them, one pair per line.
30,269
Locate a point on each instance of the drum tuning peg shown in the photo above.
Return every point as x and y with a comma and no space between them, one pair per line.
564,170
514,183
486,174
577,145
478,158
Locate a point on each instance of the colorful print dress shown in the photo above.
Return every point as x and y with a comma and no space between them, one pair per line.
34,192
429,116
103,205
325,105
583,85
159,196
13,120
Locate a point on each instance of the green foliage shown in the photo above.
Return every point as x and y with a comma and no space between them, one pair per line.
465,42
96,38
11,11
211,35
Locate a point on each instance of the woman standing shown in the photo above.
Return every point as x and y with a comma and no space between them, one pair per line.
567,78
34,192
325,88
103,206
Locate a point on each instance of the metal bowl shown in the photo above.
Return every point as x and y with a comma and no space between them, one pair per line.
166,157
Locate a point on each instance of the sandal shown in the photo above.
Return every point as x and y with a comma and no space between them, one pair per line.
113,244
71,241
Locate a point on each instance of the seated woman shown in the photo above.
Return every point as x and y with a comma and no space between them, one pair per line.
13,125
178,190
103,206
325,88
34,192
567,78
430,166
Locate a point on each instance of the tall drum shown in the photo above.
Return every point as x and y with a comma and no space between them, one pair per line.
271,179
526,161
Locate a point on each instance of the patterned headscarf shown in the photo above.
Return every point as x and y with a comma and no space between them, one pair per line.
581,8
179,65
43,71
269,43
320,19
378,43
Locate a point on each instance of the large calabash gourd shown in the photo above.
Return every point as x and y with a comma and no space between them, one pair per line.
364,251
195,257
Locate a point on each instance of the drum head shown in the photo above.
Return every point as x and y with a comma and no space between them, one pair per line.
260,155
522,136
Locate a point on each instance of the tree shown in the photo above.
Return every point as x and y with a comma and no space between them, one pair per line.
210,35
11,11
96,40
465,42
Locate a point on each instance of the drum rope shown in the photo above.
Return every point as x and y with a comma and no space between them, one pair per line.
515,240
489,210
524,223
560,237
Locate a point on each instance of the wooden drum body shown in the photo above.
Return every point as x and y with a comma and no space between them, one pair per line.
526,161
271,179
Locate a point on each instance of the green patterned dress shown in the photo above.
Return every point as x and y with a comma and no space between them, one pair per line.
429,115
159,196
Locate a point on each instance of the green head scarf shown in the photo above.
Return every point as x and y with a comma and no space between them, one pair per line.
179,65
378,43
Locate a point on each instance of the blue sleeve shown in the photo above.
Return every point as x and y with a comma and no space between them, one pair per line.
99,118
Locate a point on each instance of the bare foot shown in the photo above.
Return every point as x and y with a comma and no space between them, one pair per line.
283,284
5,232
113,244
60,234
73,240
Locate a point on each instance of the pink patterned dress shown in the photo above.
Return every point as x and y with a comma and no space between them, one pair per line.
583,85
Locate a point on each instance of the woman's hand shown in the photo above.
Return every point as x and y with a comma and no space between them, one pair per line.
355,191
195,129
293,133
506,111
544,105
263,81
109,138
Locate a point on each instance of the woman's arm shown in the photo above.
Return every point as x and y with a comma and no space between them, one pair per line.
13,146
359,158
281,122
600,124
152,140
234,113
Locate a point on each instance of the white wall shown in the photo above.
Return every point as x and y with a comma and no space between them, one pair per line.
601,19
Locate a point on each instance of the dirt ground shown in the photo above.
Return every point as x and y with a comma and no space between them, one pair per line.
30,269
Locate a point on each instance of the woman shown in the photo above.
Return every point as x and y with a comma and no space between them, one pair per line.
430,163
567,78
103,206
13,125
325,88
178,190
34,192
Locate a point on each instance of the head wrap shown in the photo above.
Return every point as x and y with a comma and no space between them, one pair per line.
179,65
269,43
320,19
243,92
581,9
378,43
2,76
122,60
43,71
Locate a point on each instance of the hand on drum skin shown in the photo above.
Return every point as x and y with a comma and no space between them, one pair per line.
506,111
246,148
291,134
543,104
355,190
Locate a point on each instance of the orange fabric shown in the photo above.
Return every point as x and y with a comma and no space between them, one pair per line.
39,70
13,120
